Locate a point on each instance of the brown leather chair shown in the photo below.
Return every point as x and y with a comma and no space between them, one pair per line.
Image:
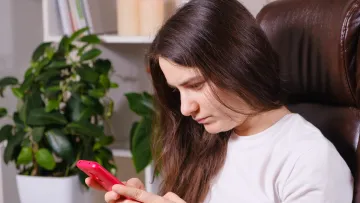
317,42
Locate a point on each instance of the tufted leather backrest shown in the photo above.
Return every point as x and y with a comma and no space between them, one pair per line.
319,51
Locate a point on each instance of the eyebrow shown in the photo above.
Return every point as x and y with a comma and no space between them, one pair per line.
186,82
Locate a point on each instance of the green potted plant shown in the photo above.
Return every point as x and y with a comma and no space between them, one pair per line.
60,117
141,130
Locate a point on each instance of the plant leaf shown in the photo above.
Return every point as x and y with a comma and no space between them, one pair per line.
17,92
140,144
74,108
28,72
25,156
38,66
5,132
37,133
3,112
148,97
57,64
104,154
77,87
91,54
13,142
91,39
45,159
40,50
132,132
114,85
64,46
104,81
32,101
85,114
48,75
52,105
52,91
98,107
26,84
103,141
88,74
40,117
60,144
141,104
97,93
26,142
8,81
102,66
82,49
110,167
87,153
85,129
18,122
76,34
88,101
105,157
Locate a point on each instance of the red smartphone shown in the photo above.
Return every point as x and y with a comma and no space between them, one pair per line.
102,176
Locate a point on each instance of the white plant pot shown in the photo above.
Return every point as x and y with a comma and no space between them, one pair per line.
33,189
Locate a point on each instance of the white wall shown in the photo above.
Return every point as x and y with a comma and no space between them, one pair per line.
21,30
5,51
254,6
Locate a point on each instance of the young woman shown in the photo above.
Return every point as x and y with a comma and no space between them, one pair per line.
223,132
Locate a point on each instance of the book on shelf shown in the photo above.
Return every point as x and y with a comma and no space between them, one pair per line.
99,16
118,17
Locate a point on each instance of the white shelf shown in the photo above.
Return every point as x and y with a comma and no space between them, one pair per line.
121,153
112,39
131,39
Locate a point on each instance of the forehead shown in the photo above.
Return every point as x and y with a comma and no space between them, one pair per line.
175,73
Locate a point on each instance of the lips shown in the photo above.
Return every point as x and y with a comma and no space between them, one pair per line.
201,120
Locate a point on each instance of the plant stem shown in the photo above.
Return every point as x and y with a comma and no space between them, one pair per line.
35,169
35,148
67,171
108,124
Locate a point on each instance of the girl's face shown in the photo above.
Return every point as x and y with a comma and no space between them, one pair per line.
199,101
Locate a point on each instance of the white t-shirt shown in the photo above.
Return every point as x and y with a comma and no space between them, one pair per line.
290,162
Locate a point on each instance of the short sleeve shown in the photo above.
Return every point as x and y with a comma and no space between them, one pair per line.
319,175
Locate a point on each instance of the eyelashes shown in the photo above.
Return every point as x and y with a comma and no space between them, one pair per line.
195,87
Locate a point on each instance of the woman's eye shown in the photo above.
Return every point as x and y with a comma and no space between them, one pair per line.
196,86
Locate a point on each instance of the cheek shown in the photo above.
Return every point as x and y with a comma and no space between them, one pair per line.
223,122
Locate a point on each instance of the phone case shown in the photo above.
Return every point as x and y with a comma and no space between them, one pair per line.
99,173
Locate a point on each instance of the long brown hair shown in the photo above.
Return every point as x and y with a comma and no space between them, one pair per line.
223,41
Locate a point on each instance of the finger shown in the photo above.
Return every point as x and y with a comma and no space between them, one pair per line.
111,197
127,201
136,183
137,194
93,184
173,197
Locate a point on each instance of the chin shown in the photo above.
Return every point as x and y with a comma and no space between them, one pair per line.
214,128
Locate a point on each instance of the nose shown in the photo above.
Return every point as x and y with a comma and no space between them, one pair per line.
188,106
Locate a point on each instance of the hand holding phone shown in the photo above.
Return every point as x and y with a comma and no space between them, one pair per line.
102,176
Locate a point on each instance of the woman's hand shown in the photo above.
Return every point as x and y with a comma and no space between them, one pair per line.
113,196
139,195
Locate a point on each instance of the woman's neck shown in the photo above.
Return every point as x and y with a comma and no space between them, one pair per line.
260,122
